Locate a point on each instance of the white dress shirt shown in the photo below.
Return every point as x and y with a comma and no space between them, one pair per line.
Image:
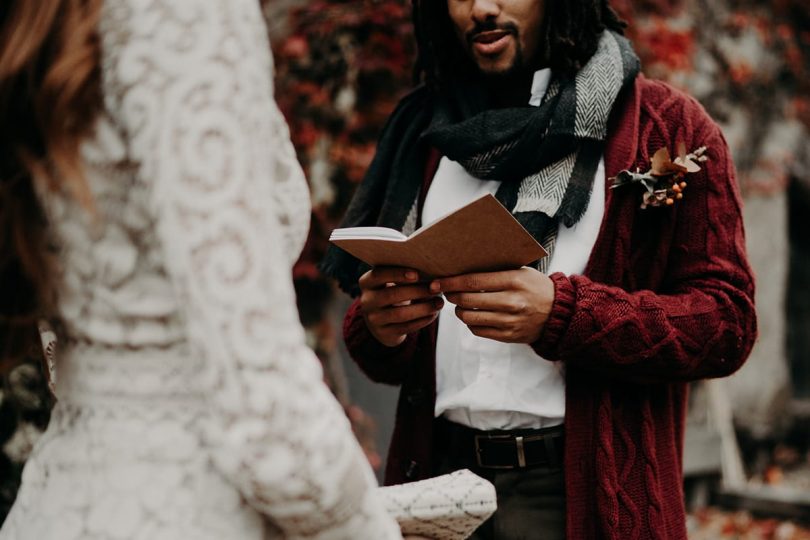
483,383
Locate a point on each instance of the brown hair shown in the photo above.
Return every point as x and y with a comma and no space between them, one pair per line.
49,99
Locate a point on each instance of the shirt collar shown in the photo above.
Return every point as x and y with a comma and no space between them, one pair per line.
539,86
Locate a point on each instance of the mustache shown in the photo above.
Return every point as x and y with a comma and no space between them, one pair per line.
489,26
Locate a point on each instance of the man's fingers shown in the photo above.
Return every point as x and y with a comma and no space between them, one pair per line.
412,326
374,299
504,301
405,314
486,281
390,296
495,319
498,334
380,276
412,312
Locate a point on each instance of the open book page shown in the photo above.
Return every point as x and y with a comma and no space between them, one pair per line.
379,233
479,237
383,233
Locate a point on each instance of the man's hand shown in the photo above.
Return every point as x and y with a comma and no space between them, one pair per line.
511,306
394,303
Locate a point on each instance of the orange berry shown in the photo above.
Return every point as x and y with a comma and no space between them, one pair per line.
683,185
670,202
679,196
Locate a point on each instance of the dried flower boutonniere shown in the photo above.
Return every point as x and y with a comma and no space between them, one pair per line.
664,182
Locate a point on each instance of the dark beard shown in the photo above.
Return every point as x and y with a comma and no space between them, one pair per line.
516,71
489,26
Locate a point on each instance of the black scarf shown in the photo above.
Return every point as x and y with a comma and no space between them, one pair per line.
546,156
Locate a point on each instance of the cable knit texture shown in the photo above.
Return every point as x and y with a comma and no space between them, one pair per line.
666,298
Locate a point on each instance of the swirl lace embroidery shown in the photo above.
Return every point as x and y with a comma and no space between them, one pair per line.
189,404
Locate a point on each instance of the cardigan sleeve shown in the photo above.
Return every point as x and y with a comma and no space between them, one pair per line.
379,362
700,324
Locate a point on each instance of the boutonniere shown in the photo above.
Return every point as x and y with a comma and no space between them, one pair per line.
665,182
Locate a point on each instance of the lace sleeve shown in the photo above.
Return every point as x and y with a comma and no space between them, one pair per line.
188,82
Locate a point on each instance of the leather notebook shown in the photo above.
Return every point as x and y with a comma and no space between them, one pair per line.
481,236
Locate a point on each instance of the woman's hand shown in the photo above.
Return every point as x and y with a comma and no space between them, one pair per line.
510,306
394,303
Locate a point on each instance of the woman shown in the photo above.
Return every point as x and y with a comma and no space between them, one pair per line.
188,403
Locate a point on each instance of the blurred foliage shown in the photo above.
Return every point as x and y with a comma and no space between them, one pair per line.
748,63
339,73
344,64
716,524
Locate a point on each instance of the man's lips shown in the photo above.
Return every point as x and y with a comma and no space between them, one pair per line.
491,42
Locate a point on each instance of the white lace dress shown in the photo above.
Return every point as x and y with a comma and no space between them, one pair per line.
189,406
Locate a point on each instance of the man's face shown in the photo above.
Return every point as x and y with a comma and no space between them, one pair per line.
500,36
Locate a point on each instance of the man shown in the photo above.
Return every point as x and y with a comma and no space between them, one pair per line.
563,383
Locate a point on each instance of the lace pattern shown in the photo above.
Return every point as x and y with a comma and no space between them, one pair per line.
189,404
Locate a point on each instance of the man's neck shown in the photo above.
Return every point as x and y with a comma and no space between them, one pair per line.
509,90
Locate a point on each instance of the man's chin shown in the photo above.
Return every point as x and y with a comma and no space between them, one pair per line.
498,72
498,68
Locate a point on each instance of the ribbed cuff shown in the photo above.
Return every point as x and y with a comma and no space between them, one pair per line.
561,312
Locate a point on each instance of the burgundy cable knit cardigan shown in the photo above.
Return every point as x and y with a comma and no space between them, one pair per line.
666,298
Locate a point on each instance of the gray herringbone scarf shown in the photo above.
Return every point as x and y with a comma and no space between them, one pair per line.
545,157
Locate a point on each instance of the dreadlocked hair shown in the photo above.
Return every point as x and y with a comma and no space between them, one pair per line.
571,32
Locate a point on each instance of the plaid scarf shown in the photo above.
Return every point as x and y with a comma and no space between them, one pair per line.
545,157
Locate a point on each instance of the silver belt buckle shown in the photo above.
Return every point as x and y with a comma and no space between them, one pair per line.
520,452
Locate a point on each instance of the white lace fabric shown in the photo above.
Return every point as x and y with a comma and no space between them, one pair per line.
447,507
189,405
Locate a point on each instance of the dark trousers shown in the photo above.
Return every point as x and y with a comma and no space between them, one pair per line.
531,501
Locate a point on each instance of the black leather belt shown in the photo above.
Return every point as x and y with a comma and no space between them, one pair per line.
506,449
